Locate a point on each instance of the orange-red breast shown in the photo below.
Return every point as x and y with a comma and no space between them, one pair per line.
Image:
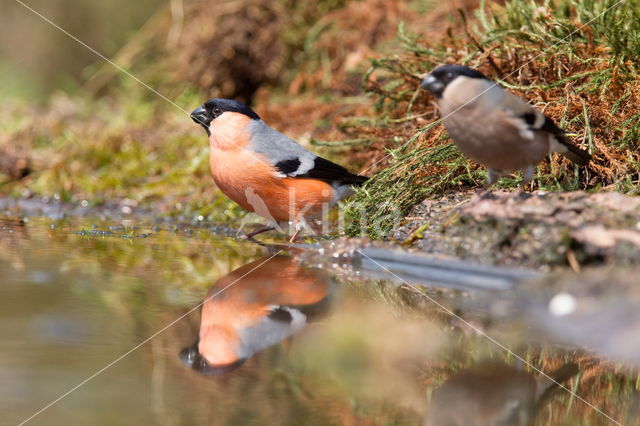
253,307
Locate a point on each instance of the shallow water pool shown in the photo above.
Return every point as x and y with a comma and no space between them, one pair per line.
105,323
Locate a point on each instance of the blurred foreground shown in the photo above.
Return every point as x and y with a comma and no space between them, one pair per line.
351,351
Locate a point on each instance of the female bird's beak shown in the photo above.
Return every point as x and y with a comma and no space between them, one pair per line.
433,85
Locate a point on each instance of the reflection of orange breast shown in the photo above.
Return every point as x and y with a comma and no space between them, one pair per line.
247,296
249,181
277,281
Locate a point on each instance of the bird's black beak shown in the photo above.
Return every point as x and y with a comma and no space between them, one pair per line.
202,117
191,357
433,85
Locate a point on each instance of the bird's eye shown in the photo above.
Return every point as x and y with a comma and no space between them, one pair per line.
449,76
217,111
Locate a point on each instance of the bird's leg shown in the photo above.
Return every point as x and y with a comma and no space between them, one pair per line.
294,236
300,224
250,235
527,179
484,192
493,177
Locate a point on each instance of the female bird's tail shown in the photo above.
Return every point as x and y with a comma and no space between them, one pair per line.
575,154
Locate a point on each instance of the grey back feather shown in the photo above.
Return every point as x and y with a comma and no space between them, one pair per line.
277,147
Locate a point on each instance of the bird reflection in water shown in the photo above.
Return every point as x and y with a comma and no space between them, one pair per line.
494,394
266,301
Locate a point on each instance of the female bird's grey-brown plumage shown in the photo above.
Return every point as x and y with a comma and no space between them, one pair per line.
494,127
494,394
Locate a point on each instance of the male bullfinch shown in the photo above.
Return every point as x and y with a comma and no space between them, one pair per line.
263,302
494,127
266,172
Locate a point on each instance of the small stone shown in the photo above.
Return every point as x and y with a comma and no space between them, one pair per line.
562,304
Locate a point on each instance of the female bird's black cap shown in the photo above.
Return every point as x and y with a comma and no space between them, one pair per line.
440,77
457,70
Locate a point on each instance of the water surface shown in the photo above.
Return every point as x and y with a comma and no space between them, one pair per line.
234,333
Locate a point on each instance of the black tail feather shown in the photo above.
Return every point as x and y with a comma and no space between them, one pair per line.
328,171
575,154
358,180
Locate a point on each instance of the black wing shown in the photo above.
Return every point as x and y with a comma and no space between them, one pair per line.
322,169
547,124
575,154
288,167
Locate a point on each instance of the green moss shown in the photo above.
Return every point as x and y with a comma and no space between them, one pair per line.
109,150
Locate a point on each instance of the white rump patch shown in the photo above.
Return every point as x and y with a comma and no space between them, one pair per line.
556,146
341,191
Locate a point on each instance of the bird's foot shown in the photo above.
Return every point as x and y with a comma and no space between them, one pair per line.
525,190
480,195
484,193
250,235
527,181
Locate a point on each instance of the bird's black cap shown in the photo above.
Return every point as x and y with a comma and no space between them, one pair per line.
440,77
192,358
213,108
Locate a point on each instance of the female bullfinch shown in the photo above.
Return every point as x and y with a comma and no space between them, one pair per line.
266,172
494,127
253,307
492,393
